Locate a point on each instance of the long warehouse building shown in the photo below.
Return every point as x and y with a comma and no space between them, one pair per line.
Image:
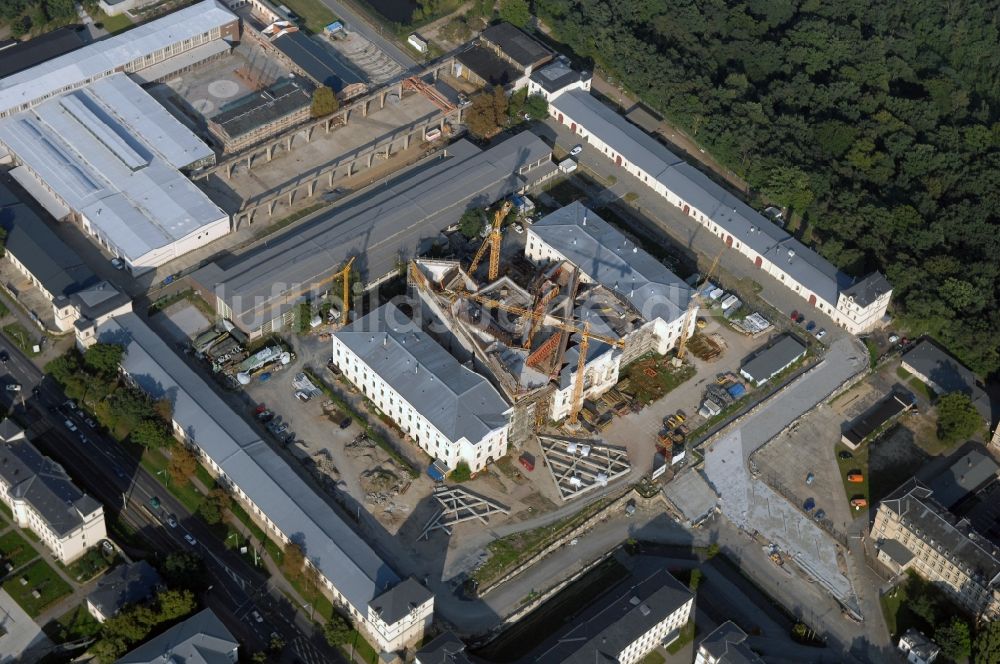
856,305
259,290
391,611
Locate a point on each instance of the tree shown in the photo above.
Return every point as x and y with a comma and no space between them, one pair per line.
337,630
471,223
174,603
462,472
151,434
695,580
213,507
954,639
986,647
324,102
182,569
182,465
537,107
481,117
104,358
957,417
20,26
516,11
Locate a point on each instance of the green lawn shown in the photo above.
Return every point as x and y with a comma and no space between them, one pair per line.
653,658
362,648
113,24
77,623
3,309
921,388
314,14
90,565
42,578
858,462
15,550
687,634
21,338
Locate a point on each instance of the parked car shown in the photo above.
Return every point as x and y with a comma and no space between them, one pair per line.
844,454
344,423
259,409
893,338
801,319
171,521
282,428
154,502
189,539
821,333
809,504
69,425
302,396
795,315
820,515
257,617
118,265
84,439
577,149
265,416
518,228
810,326
4,356
810,478
14,387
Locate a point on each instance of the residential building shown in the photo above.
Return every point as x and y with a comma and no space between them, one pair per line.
767,363
627,626
967,475
912,531
44,499
201,639
260,291
726,645
350,572
444,649
55,269
855,305
450,411
636,281
944,374
152,51
108,157
124,585
556,78
917,648
259,115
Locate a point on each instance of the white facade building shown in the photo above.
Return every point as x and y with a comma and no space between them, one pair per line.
45,500
451,412
917,648
392,612
726,645
858,306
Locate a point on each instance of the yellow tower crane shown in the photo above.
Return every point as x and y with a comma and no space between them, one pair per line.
493,242
345,272
693,307
563,324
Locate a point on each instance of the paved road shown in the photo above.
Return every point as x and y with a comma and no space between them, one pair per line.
103,468
367,28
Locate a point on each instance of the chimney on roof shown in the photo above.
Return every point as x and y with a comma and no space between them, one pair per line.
584,216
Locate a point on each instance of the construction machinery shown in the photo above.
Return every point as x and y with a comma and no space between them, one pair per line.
493,242
345,273
565,325
693,307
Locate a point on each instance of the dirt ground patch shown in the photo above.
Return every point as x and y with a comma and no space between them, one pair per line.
651,377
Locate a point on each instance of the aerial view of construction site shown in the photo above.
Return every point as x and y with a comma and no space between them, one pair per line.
386,344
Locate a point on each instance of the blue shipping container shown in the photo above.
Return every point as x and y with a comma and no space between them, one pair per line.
736,390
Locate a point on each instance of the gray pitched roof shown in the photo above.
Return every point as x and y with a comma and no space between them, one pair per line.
627,616
948,374
201,639
727,645
57,267
262,107
919,644
267,480
516,45
869,289
730,213
378,227
400,600
457,401
895,550
774,358
445,649
44,485
618,264
125,584
953,538
967,474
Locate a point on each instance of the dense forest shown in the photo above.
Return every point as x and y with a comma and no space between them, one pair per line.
875,121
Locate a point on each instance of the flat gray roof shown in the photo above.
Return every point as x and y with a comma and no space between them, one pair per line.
457,401
516,45
773,359
105,55
378,228
618,264
248,462
42,483
725,209
967,474
112,153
